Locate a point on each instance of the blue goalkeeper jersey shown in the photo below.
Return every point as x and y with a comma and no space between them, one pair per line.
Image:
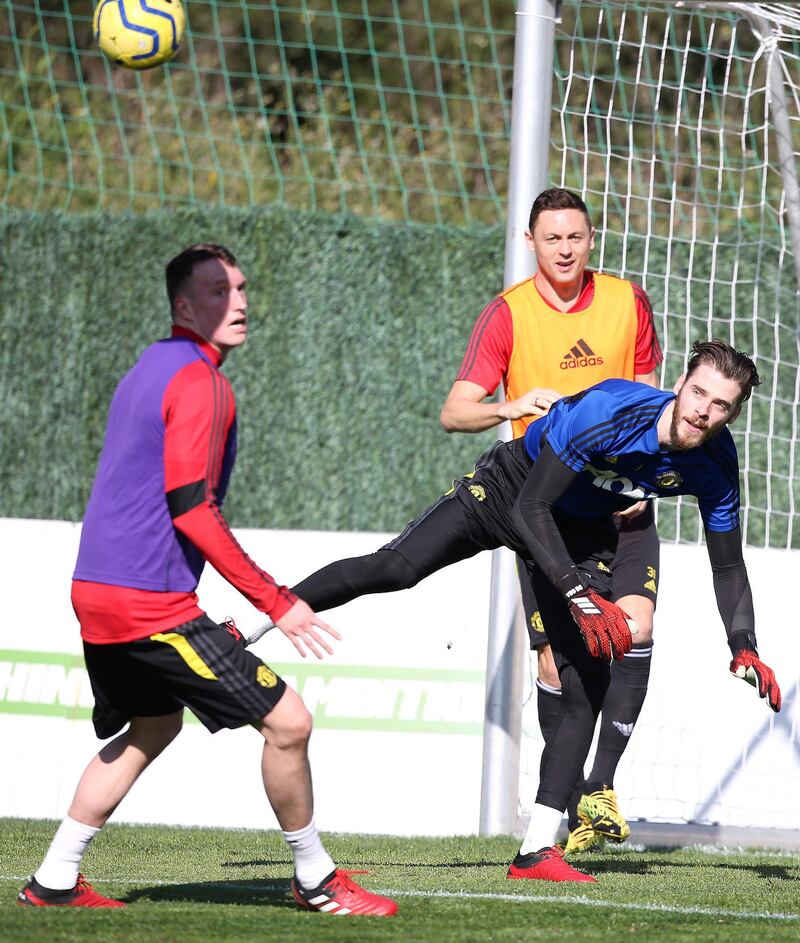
608,434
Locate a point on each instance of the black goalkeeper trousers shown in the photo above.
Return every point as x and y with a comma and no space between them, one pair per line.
475,515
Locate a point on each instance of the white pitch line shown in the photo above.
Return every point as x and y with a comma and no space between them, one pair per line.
734,851
469,895
588,902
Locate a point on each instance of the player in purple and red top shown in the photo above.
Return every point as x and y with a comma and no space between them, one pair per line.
154,517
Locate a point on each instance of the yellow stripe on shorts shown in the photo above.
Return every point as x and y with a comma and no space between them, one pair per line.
187,653
456,481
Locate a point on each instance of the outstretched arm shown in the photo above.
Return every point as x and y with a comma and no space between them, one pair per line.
735,604
547,481
732,588
198,413
603,625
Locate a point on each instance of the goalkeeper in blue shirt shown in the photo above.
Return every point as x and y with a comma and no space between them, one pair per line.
551,497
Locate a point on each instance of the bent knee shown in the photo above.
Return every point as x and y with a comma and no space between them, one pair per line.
296,732
288,725
641,609
396,571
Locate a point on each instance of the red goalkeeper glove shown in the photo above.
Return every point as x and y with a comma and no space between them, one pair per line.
748,666
603,625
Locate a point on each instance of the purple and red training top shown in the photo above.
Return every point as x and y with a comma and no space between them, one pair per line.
154,515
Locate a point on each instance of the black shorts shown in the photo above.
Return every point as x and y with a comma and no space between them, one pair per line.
636,562
635,571
198,665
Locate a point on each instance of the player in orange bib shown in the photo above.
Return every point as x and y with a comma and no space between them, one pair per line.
555,334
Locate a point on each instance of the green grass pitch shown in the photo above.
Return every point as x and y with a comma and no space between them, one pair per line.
208,885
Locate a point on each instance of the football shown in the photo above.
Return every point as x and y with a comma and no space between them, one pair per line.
139,34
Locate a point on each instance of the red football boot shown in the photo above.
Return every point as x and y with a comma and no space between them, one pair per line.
339,894
546,864
82,895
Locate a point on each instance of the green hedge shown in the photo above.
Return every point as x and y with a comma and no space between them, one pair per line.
357,330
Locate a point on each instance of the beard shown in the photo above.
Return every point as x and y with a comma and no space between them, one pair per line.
680,441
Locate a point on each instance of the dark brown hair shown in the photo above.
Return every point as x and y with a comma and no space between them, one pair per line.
733,364
181,267
557,198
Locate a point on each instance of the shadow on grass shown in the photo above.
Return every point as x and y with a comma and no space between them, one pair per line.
254,893
655,861
377,865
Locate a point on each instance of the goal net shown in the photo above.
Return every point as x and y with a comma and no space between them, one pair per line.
679,123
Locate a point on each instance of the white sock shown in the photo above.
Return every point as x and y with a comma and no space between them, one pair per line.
59,870
311,862
542,829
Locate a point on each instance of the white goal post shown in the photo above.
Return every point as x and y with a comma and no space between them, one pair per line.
679,124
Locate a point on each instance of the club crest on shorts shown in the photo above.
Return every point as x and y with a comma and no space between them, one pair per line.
669,479
478,492
266,677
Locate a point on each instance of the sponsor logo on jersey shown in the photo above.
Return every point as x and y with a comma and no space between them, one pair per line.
625,729
609,480
478,492
669,479
536,622
266,677
581,355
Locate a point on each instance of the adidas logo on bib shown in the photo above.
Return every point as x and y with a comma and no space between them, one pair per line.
581,355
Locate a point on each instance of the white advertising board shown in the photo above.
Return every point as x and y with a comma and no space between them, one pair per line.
398,708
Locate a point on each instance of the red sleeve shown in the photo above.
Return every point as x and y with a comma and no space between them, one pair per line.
648,351
198,411
489,349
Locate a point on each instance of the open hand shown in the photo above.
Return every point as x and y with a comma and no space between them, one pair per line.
301,626
535,402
